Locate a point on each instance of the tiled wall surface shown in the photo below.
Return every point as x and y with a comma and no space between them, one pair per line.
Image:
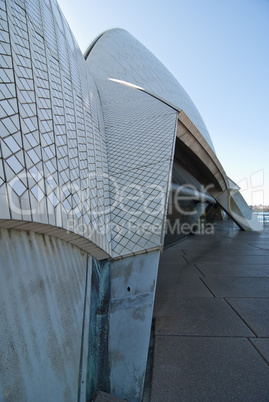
53,150
118,55
140,132
69,138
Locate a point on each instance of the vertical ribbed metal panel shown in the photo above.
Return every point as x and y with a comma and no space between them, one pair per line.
42,305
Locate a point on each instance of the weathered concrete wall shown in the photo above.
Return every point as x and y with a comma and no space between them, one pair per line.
98,373
133,283
44,296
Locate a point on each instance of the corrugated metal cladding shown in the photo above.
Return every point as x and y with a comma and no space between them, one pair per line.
42,294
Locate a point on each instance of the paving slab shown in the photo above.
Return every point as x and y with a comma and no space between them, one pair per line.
175,258
222,252
238,287
235,270
182,287
208,369
212,319
255,312
198,316
177,270
233,258
264,244
262,344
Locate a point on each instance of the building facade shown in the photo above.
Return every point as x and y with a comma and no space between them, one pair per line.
94,149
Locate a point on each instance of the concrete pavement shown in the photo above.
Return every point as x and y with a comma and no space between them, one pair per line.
211,337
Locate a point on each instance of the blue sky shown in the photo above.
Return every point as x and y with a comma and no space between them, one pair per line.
219,52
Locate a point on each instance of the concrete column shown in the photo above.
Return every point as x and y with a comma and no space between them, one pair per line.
133,284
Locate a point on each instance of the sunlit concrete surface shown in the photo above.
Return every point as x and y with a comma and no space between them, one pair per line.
212,318
133,284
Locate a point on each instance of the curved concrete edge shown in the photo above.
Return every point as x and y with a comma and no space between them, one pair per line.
236,207
230,199
60,233
191,136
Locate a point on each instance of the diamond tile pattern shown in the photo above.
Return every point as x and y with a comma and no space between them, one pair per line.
78,151
52,133
115,55
140,132
138,215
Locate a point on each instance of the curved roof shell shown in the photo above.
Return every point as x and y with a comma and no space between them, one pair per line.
117,55
66,128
